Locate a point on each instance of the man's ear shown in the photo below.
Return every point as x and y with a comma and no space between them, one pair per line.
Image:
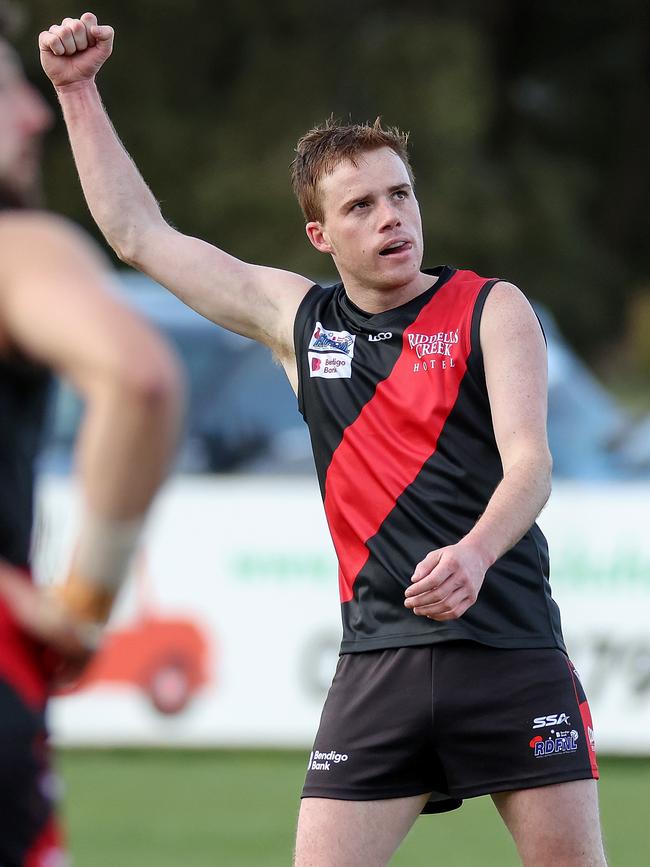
318,237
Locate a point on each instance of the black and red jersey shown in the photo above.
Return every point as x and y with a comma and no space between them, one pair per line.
24,389
23,398
401,430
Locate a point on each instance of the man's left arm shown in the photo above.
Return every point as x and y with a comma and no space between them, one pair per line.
447,582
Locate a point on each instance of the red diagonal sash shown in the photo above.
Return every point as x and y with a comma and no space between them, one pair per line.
384,449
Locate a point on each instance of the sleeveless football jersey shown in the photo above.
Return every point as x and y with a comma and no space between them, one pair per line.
401,430
23,399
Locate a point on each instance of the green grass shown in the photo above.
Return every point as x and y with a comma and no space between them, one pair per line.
238,809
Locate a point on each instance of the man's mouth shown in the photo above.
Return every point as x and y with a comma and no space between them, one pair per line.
395,248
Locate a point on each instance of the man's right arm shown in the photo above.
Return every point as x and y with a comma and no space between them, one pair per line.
255,301
57,309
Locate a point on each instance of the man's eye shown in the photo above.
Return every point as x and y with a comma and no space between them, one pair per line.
358,206
401,194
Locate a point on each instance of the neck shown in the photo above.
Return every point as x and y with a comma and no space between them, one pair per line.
377,299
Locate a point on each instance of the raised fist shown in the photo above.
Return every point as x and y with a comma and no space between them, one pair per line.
74,51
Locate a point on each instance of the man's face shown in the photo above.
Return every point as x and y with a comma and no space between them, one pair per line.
24,117
372,225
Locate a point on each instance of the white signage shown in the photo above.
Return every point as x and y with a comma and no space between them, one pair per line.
228,631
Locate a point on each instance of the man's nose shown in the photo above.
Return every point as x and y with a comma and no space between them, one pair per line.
389,216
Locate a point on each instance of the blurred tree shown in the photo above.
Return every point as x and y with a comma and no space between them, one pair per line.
529,122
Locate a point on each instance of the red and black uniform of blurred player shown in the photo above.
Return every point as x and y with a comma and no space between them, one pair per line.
406,456
27,827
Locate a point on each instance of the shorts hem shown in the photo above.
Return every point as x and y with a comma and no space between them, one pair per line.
515,785
441,804
368,795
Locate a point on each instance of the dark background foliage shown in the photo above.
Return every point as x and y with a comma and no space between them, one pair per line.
529,127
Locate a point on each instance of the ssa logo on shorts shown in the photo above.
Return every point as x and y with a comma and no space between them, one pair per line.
330,353
553,719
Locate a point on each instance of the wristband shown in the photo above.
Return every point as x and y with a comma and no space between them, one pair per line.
104,549
99,566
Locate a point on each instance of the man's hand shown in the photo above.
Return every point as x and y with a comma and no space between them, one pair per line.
74,51
44,618
447,582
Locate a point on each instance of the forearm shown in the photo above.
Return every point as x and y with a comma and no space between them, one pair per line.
513,507
124,451
120,201
126,443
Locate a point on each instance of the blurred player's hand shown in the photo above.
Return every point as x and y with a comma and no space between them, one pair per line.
446,583
75,50
43,617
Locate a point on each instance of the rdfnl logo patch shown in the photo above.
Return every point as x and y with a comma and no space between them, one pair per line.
319,761
330,353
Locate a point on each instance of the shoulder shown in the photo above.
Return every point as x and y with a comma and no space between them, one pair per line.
31,235
506,306
31,242
25,226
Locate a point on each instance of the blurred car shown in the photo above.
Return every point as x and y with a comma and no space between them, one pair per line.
592,437
242,414
163,657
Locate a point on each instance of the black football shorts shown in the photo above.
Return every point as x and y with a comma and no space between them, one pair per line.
29,835
457,719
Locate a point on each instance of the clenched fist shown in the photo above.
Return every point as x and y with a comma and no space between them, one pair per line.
74,51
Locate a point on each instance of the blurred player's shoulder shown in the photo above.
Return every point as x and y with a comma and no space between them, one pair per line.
15,223
30,238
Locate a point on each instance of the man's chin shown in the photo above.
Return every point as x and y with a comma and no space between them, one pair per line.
397,274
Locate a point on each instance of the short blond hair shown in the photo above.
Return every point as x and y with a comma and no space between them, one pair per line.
320,150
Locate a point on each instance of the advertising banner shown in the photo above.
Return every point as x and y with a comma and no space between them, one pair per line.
227,633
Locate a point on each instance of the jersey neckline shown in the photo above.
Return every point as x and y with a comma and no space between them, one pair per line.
363,319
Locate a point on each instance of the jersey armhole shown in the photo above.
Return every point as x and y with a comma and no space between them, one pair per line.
475,360
299,323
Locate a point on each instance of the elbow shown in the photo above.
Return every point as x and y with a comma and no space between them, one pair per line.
136,242
544,466
126,250
125,255
153,384
546,474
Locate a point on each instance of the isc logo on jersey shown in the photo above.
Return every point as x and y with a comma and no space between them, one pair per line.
330,353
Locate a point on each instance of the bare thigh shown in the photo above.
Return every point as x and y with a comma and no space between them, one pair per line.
333,833
555,826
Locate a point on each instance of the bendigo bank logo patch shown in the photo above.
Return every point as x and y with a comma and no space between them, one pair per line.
330,353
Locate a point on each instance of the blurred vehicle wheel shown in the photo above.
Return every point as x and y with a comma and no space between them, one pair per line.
169,686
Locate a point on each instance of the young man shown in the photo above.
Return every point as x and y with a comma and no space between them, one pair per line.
425,393
57,314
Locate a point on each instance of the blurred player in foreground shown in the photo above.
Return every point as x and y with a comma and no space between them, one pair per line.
57,314
425,394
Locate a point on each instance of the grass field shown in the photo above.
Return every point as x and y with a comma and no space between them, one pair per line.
238,809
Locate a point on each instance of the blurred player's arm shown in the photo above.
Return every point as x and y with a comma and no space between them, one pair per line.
255,301
447,582
56,308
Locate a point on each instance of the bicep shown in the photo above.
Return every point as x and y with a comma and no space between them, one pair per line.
255,301
515,362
